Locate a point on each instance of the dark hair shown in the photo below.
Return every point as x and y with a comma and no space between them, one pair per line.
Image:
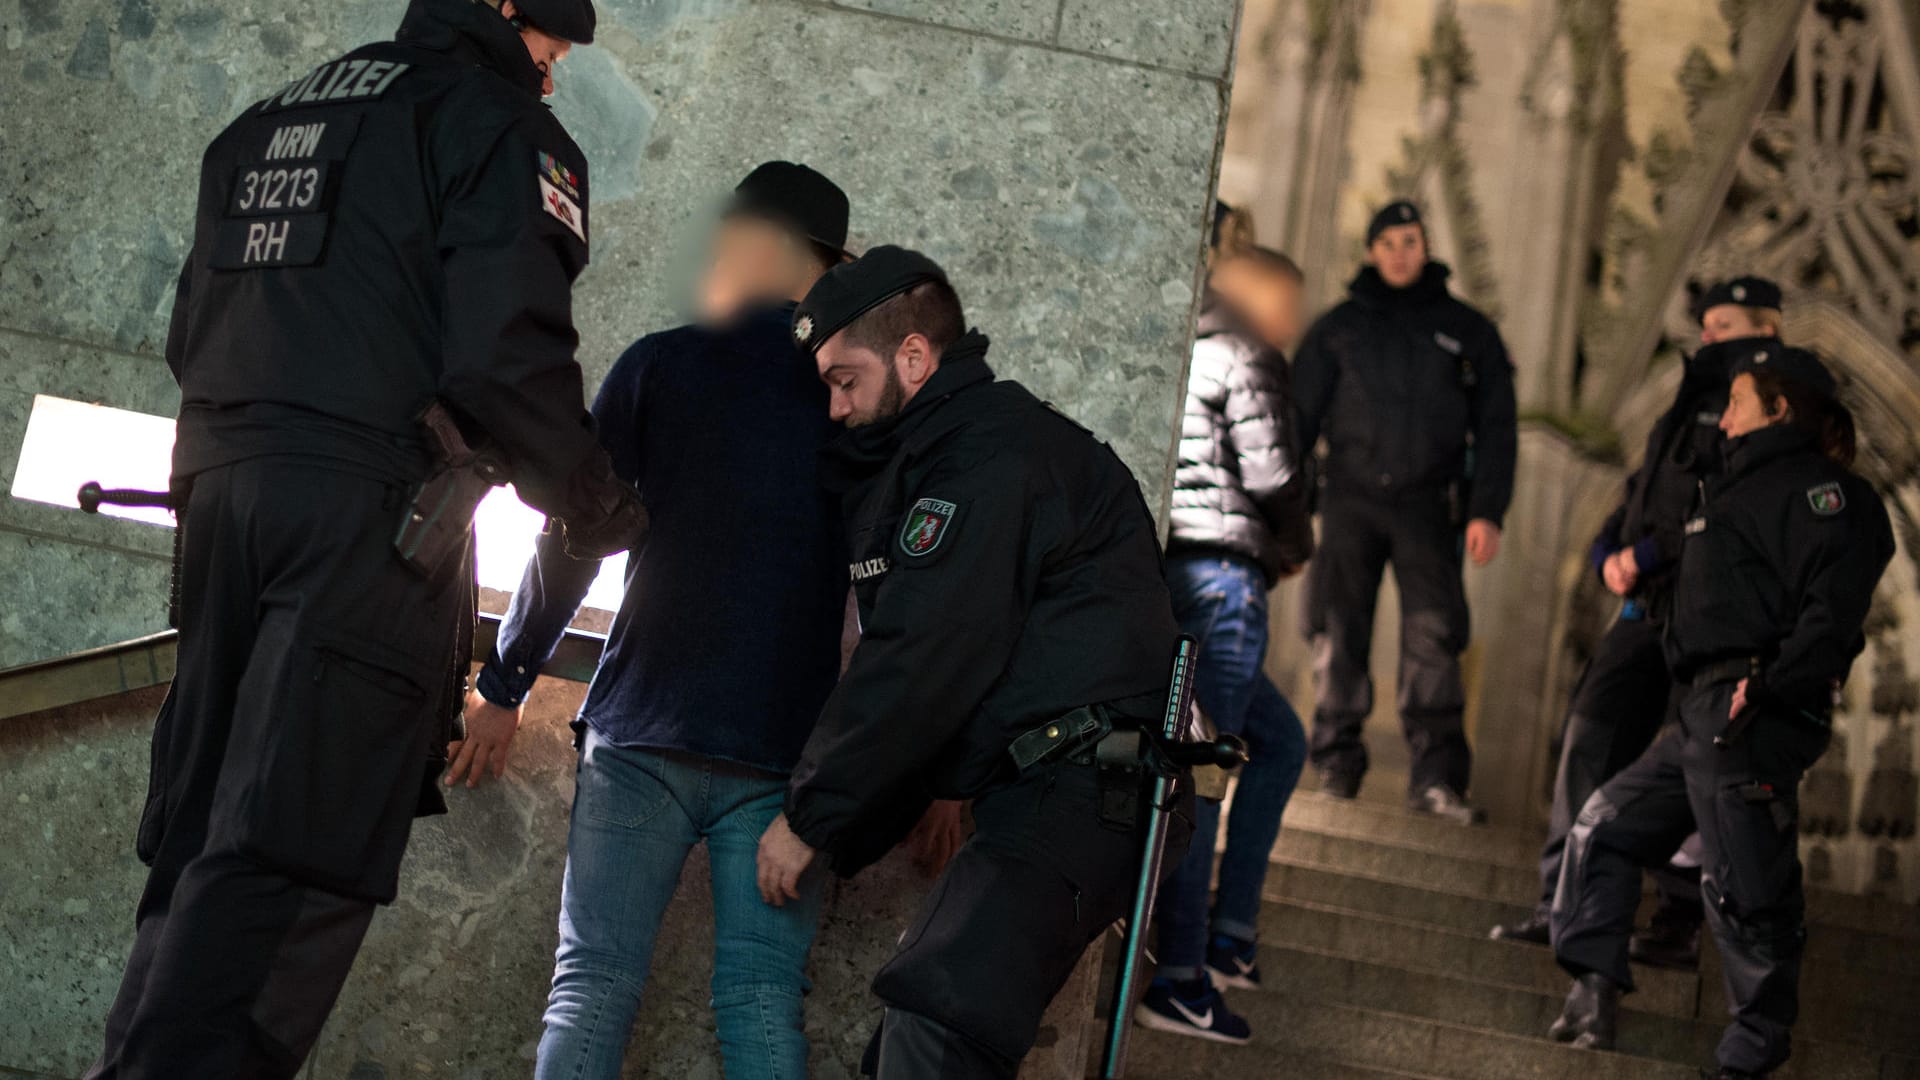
1274,262
930,308
1824,418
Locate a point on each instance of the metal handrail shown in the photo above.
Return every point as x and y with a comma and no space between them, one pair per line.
148,661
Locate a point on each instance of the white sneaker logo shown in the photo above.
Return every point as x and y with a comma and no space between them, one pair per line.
1200,1020
1244,967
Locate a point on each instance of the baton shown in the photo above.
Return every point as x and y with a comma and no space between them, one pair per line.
92,496
1113,1061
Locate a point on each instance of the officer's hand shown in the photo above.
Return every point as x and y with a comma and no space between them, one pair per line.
489,739
1739,699
939,834
1620,577
784,857
1483,541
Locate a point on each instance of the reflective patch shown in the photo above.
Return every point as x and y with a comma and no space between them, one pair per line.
338,80
927,525
868,569
1447,342
1696,526
555,202
1826,499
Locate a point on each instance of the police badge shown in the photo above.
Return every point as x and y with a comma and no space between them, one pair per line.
926,526
1826,499
803,330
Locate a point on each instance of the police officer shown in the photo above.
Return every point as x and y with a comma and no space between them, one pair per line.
1622,697
1776,576
1013,613
398,226
1414,394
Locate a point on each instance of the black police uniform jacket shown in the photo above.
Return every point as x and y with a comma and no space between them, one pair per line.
1398,380
1780,566
1239,487
1683,452
1007,571
401,223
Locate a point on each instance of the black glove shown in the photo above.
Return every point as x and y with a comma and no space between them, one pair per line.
623,526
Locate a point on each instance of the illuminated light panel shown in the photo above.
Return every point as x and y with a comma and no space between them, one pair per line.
71,442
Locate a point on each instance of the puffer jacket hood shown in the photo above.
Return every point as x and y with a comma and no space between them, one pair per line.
1239,487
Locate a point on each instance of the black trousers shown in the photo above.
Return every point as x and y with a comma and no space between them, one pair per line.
1038,881
1744,801
1617,709
1359,535
287,766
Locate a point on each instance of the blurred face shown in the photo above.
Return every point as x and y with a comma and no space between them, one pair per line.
752,261
546,50
1746,412
1269,300
1400,254
864,387
1728,322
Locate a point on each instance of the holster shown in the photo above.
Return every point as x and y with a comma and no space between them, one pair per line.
437,526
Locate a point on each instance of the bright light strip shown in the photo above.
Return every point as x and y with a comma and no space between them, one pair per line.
71,442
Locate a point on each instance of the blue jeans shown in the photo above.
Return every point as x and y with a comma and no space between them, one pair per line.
636,815
1222,601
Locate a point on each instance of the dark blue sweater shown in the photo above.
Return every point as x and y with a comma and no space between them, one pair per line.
727,641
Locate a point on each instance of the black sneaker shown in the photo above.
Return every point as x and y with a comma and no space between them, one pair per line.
1339,785
1443,802
1233,963
1667,945
1193,1009
1533,930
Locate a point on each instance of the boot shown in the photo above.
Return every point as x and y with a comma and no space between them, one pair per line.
1591,1017
1534,930
1340,785
1667,943
1445,803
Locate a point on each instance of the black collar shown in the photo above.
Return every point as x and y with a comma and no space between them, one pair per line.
863,451
1370,288
1755,449
473,33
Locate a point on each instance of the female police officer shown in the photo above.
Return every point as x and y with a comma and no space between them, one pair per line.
1777,572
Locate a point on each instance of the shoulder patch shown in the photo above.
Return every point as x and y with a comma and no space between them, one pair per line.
1827,499
926,526
556,202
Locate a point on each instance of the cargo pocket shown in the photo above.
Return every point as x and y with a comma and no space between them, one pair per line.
153,815
334,800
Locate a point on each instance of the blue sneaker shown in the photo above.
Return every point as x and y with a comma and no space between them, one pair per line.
1192,1008
1233,963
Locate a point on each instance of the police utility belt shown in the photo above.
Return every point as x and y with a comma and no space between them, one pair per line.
1115,744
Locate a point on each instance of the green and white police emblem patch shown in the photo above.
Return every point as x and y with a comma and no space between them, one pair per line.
1826,499
927,525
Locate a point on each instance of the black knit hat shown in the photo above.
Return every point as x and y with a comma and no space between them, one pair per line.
797,197
1398,212
852,289
1785,361
568,20
1755,292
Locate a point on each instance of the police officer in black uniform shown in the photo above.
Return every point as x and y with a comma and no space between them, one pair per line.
398,226
1776,576
1414,394
1622,698
1013,614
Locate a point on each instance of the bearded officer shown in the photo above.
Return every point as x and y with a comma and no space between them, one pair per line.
1776,575
397,227
1013,613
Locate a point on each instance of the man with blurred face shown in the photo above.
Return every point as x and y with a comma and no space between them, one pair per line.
1413,393
724,648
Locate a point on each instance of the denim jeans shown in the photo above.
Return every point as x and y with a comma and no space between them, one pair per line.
1222,601
636,815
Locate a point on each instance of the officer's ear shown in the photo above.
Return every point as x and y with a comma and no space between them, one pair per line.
916,359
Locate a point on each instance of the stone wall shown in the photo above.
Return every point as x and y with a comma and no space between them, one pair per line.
1057,155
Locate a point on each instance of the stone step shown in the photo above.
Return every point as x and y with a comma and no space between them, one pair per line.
1835,961
1872,926
1385,939
1413,989
1386,823
1291,1027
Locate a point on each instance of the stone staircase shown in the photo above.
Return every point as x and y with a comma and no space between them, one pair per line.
1374,947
